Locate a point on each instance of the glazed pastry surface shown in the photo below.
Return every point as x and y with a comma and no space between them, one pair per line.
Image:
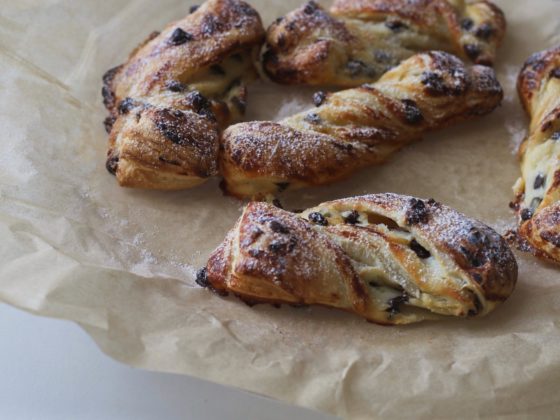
177,90
389,258
359,40
357,127
537,192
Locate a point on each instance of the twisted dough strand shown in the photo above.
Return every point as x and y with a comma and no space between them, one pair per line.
357,127
359,40
168,102
538,190
388,258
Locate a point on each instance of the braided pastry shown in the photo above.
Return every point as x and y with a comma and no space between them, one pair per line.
359,40
391,259
357,127
538,190
168,102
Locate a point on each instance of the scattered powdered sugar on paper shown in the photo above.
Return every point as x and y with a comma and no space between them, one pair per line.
516,125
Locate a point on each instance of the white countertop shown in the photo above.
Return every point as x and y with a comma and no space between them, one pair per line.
51,369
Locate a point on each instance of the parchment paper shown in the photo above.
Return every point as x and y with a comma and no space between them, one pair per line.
121,263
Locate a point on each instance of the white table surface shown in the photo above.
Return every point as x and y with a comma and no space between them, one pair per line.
51,369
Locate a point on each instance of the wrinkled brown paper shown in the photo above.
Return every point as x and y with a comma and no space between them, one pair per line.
121,262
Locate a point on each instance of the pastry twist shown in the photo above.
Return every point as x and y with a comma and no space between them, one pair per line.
359,40
391,259
168,102
357,127
538,190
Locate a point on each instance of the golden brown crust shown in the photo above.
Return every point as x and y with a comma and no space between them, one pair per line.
537,192
360,40
388,258
356,127
168,102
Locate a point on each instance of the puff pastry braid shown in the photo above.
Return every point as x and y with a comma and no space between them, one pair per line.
357,127
391,259
168,102
359,40
538,190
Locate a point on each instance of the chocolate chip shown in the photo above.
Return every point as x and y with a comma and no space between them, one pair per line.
108,123
279,20
556,136
358,67
347,147
412,113
278,227
467,24
255,253
112,164
484,31
419,250
193,8
551,237
526,214
355,67
244,9
126,105
546,126
417,212
319,97
277,246
292,243
352,218
394,304
270,56
434,82
474,257
282,186
472,51
202,278
281,41
200,104
179,37
310,8
210,24
318,219
555,73
175,86
382,56
312,118
477,305
395,25
218,70
540,180
476,237
535,203
108,96
170,124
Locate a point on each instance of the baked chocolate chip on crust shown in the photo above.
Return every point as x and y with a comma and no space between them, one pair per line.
178,37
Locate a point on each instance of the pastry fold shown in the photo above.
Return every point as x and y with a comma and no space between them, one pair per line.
359,40
357,127
537,201
175,93
389,258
